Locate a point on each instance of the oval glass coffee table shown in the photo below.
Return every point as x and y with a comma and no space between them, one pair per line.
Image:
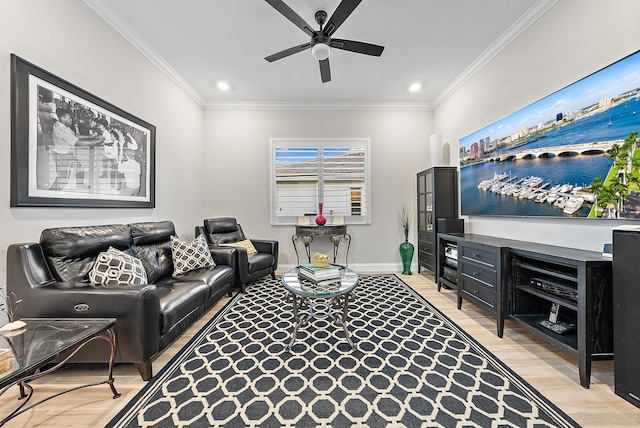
320,300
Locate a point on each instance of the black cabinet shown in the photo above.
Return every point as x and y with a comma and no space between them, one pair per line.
437,198
626,313
578,285
479,282
481,267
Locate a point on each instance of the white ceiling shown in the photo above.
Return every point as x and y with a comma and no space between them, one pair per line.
439,43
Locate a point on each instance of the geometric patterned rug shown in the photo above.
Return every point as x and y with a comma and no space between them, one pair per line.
411,366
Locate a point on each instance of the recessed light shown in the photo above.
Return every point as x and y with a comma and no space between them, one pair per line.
415,87
223,86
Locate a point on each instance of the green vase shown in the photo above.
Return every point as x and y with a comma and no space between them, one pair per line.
406,254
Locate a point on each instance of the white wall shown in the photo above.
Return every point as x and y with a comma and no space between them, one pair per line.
69,40
572,40
238,152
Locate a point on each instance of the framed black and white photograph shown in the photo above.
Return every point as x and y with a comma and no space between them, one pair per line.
70,148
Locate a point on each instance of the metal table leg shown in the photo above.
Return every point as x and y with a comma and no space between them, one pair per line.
306,241
298,303
342,302
337,240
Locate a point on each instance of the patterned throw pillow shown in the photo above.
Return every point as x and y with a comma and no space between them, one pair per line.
251,250
190,256
115,267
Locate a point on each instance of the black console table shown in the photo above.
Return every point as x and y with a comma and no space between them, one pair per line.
336,233
523,280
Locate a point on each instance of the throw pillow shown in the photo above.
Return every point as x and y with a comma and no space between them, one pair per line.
247,244
115,267
190,256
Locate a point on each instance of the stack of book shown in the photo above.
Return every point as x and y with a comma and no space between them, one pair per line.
326,274
5,359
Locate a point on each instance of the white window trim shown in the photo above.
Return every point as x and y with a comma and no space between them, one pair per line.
321,142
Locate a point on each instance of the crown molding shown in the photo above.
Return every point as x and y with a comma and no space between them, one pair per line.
106,13
512,33
335,106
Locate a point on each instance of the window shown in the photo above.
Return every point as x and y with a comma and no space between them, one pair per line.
305,172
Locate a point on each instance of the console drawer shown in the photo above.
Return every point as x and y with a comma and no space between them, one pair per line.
478,291
479,273
484,256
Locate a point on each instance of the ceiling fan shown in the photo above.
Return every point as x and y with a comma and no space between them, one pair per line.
321,41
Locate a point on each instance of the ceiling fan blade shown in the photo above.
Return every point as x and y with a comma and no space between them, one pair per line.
325,70
287,52
342,12
358,47
291,15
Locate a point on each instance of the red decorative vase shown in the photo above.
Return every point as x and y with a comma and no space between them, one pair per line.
320,220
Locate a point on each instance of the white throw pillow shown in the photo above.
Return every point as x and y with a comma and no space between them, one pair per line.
190,256
115,267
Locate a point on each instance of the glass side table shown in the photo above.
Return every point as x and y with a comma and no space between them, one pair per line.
42,341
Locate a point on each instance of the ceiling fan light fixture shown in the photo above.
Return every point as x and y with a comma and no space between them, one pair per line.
321,51
321,41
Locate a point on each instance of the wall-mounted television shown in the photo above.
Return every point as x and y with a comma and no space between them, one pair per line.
574,153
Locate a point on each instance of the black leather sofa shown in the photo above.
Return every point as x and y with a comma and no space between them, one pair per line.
51,278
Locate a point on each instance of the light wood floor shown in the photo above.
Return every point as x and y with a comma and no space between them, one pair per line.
552,372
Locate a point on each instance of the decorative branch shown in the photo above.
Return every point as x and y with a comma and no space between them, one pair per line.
6,306
405,217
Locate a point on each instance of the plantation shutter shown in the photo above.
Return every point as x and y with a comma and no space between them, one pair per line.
343,171
296,181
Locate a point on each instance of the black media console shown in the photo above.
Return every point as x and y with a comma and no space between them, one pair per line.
563,295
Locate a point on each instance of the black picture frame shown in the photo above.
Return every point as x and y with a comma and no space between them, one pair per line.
49,169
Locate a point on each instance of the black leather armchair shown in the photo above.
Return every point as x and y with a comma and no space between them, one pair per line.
225,230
